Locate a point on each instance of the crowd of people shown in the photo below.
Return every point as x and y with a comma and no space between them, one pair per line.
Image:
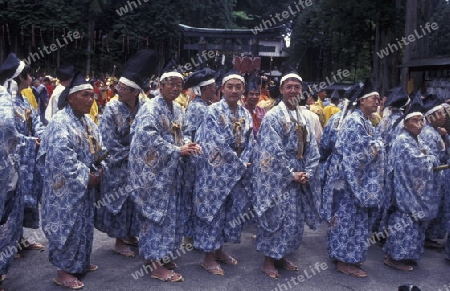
180,163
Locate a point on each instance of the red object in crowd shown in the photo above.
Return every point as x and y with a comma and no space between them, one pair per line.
98,94
49,90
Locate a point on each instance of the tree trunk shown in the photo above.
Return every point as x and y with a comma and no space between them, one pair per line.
418,12
89,45
385,68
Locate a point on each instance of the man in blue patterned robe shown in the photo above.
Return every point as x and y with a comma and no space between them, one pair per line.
326,145
29,125
331,130
158,153
203,85
226,139
11,204
115,211
285,179
447,197
438,140
391,125
70,146
415,197
388,129
354,187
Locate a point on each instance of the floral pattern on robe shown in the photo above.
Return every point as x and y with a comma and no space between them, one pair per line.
354,188
415,195
118,217
29,125
156,176
69,147
283,205
11,204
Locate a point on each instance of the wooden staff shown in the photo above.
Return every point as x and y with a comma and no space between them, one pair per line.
441,167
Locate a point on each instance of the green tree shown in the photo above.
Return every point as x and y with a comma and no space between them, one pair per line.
440,39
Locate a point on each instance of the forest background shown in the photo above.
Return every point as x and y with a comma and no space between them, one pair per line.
325,37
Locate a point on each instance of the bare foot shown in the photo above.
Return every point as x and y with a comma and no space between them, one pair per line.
67,280
269,268
350,269
210,264
224,258
163,274
131,241
123,249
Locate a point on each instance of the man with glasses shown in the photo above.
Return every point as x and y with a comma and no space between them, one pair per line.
285,179
116,212
354,187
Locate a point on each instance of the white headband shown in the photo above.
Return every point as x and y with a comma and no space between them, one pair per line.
18,70
80,87
291,75
206,83
433,110
407,102
170,74
370,94
413,114
196,90
129,83
233,76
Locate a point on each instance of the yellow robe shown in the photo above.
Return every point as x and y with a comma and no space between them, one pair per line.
319,111
94,112
183,99
28,93
329,111
319,103
375,118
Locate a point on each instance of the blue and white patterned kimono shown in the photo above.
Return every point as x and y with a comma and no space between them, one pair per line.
11,203
354,188
386,129
226,138
118,217
415,196
67,151
156,173
29,125
195,114
326,146
439,147
283,205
